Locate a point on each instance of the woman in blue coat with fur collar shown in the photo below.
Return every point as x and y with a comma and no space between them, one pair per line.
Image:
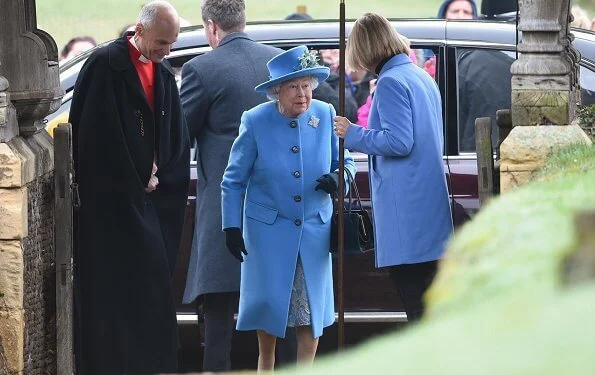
282,170
404,141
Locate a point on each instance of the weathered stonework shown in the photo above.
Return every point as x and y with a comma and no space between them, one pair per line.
526,148
27,274
39,289
11,275
532,107
11,334
29,91
8,114
11,302
13,213
10,167
36,154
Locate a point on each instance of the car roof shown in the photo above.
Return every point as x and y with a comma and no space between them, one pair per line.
489,33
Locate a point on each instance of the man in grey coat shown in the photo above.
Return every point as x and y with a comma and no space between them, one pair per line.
217,88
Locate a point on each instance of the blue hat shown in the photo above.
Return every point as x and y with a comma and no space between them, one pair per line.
293,63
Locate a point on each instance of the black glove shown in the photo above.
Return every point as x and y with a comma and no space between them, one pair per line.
328,182
235,243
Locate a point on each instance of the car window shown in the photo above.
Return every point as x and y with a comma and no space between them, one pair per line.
358,86
483,87
587,79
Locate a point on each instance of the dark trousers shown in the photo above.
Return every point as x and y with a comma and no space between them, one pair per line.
218,310
412,281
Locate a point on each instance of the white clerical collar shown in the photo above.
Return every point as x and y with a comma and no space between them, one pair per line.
141,58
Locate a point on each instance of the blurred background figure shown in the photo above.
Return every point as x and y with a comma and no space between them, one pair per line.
299,16
330,58
76,46
581,19
458,10
492,8
450,10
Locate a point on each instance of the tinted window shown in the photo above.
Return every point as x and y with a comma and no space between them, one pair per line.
483,85
587,86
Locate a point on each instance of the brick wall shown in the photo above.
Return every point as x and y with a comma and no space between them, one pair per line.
40,280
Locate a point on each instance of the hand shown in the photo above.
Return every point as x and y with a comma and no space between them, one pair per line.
153,181
341,125
235,243
328,182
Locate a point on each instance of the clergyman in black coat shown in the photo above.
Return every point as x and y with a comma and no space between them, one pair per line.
132,165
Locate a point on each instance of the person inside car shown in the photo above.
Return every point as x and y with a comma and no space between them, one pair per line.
404,142
450,10
282,170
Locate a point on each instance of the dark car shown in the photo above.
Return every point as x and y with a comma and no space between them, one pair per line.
371,302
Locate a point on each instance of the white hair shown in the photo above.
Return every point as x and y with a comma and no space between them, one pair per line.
273,91
149,12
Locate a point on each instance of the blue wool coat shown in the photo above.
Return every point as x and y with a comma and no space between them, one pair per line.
404,141
275,162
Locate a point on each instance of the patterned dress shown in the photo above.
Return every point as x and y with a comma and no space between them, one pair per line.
299,308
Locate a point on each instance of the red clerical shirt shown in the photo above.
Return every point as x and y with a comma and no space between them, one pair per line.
146,72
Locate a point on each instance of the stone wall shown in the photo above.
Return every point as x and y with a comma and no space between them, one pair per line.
27,281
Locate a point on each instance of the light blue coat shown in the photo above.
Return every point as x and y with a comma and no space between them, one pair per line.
404,141
276,166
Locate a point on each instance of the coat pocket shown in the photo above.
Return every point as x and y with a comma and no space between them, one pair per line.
261,213
325,213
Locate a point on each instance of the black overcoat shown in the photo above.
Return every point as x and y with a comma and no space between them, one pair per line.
127,240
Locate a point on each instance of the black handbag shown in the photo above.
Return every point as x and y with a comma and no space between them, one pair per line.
358,232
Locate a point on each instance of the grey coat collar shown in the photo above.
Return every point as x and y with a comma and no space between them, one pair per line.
233,36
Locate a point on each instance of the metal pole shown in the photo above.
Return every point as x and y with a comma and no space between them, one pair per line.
341,245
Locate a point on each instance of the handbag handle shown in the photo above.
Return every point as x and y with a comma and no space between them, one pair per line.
352,188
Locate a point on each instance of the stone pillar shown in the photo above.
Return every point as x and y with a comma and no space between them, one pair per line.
29,91
545,92
29,60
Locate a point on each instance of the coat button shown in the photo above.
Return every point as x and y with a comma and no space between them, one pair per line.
293,123
297,198
295,149
297,222
297,174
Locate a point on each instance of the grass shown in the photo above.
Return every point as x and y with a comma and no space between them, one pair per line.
103,19
572,160
519,239
498,305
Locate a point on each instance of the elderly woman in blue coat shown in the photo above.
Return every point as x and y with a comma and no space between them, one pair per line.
404,141
282,170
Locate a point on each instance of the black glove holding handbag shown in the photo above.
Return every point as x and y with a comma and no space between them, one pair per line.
235,243
328,182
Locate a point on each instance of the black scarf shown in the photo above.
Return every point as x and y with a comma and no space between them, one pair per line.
381,64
